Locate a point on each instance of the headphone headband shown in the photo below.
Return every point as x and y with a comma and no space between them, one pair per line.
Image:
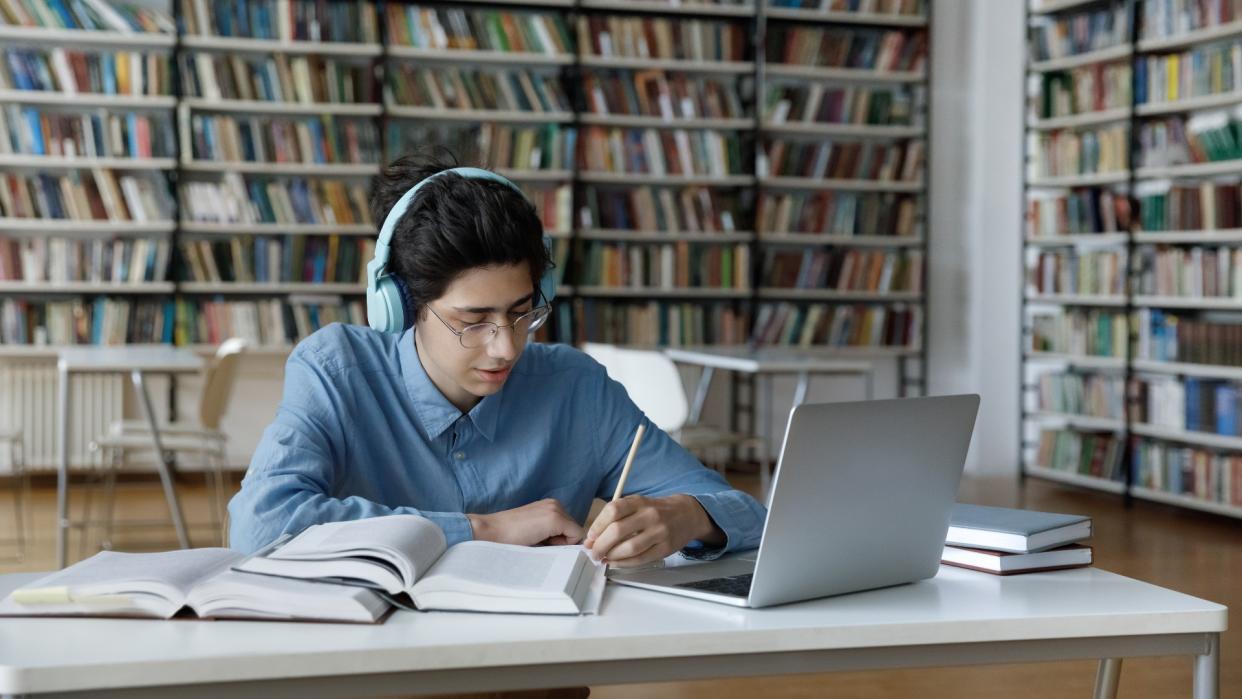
389,307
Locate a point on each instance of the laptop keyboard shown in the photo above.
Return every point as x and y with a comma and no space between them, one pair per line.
734,585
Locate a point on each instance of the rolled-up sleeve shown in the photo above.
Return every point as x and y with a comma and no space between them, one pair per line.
663,467
299,460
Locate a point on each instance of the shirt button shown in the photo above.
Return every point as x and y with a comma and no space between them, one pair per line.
460,455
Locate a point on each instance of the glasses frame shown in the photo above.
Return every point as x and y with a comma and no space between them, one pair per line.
545,309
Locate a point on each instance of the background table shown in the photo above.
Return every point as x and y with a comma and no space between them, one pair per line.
137,361
959,617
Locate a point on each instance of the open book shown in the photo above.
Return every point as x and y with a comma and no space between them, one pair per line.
408,554
200,581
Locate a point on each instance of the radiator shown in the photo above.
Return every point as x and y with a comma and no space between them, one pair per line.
28,404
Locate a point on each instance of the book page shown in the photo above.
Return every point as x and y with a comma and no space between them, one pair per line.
410,542
518,570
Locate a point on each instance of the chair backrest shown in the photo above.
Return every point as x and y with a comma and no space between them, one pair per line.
651,379
218,384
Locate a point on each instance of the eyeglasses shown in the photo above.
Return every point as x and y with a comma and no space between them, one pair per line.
480,334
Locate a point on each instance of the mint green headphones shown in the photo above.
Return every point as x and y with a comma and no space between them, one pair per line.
389,305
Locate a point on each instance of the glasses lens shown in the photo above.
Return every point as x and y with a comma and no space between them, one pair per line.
531,321
478,335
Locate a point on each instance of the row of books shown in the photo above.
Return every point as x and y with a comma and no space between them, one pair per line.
1095,454
1204,70
58,260
1204,137
450,87
662,152
458,28
688,209
276,78
553,205
1083,152
98,134
839,213
846,160
1095,395
1170,18
1080,211
860,49
876,271
1169,337
274,139
101,72
238,199
658,93
1069,271
1189,272
899,8
100,196
86,14
1091,88
828,104
1204,474
1189,206
546,147
651,323
823,325
1188,403
666,266
620,36
267,323
1074,33
284,20
1094,332
270,259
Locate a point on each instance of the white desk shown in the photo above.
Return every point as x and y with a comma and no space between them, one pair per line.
960,617
136,360
763,363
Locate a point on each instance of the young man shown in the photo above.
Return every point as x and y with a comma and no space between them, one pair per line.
457,418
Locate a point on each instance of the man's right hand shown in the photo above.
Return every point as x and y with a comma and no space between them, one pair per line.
542,522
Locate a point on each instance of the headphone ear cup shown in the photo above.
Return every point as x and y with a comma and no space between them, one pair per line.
385,306
406,301
547,283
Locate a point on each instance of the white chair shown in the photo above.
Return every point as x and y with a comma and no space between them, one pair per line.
201,439
654,384
14,467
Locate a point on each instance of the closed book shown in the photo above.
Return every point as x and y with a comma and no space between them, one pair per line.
1001,563
1012,530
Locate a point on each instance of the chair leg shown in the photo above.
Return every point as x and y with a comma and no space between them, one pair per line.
115,457
210,482
19,510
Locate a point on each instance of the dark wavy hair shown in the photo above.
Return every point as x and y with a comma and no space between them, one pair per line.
453,225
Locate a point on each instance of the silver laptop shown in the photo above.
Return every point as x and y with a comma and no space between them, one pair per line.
861,500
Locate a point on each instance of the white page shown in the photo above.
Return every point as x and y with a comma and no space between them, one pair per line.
519,570
114,572
412,542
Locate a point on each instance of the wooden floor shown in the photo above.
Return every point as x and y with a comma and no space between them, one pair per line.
1194,553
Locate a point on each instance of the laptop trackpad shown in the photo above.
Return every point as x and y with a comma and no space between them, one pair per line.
676,572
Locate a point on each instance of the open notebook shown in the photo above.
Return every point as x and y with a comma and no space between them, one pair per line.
197,581
407,554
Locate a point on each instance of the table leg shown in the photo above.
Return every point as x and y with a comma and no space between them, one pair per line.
1207,670
62,466
700,395
1107,677
804,381
163,462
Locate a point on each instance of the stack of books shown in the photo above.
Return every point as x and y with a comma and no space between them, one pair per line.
1005,541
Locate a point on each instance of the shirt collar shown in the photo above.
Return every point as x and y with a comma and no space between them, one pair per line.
434,410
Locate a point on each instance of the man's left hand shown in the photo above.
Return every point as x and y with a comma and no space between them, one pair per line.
637,530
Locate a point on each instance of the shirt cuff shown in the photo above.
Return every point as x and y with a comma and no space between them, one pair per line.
741,525
456,526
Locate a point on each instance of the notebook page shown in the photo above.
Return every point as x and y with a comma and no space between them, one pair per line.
519,570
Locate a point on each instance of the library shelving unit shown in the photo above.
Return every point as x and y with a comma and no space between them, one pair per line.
842,205
278,122
85,159
663,232
1132,309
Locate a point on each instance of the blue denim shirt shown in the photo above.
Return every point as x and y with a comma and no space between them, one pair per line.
362,432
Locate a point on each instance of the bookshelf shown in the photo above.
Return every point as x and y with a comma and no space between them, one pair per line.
1132,311
667,247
